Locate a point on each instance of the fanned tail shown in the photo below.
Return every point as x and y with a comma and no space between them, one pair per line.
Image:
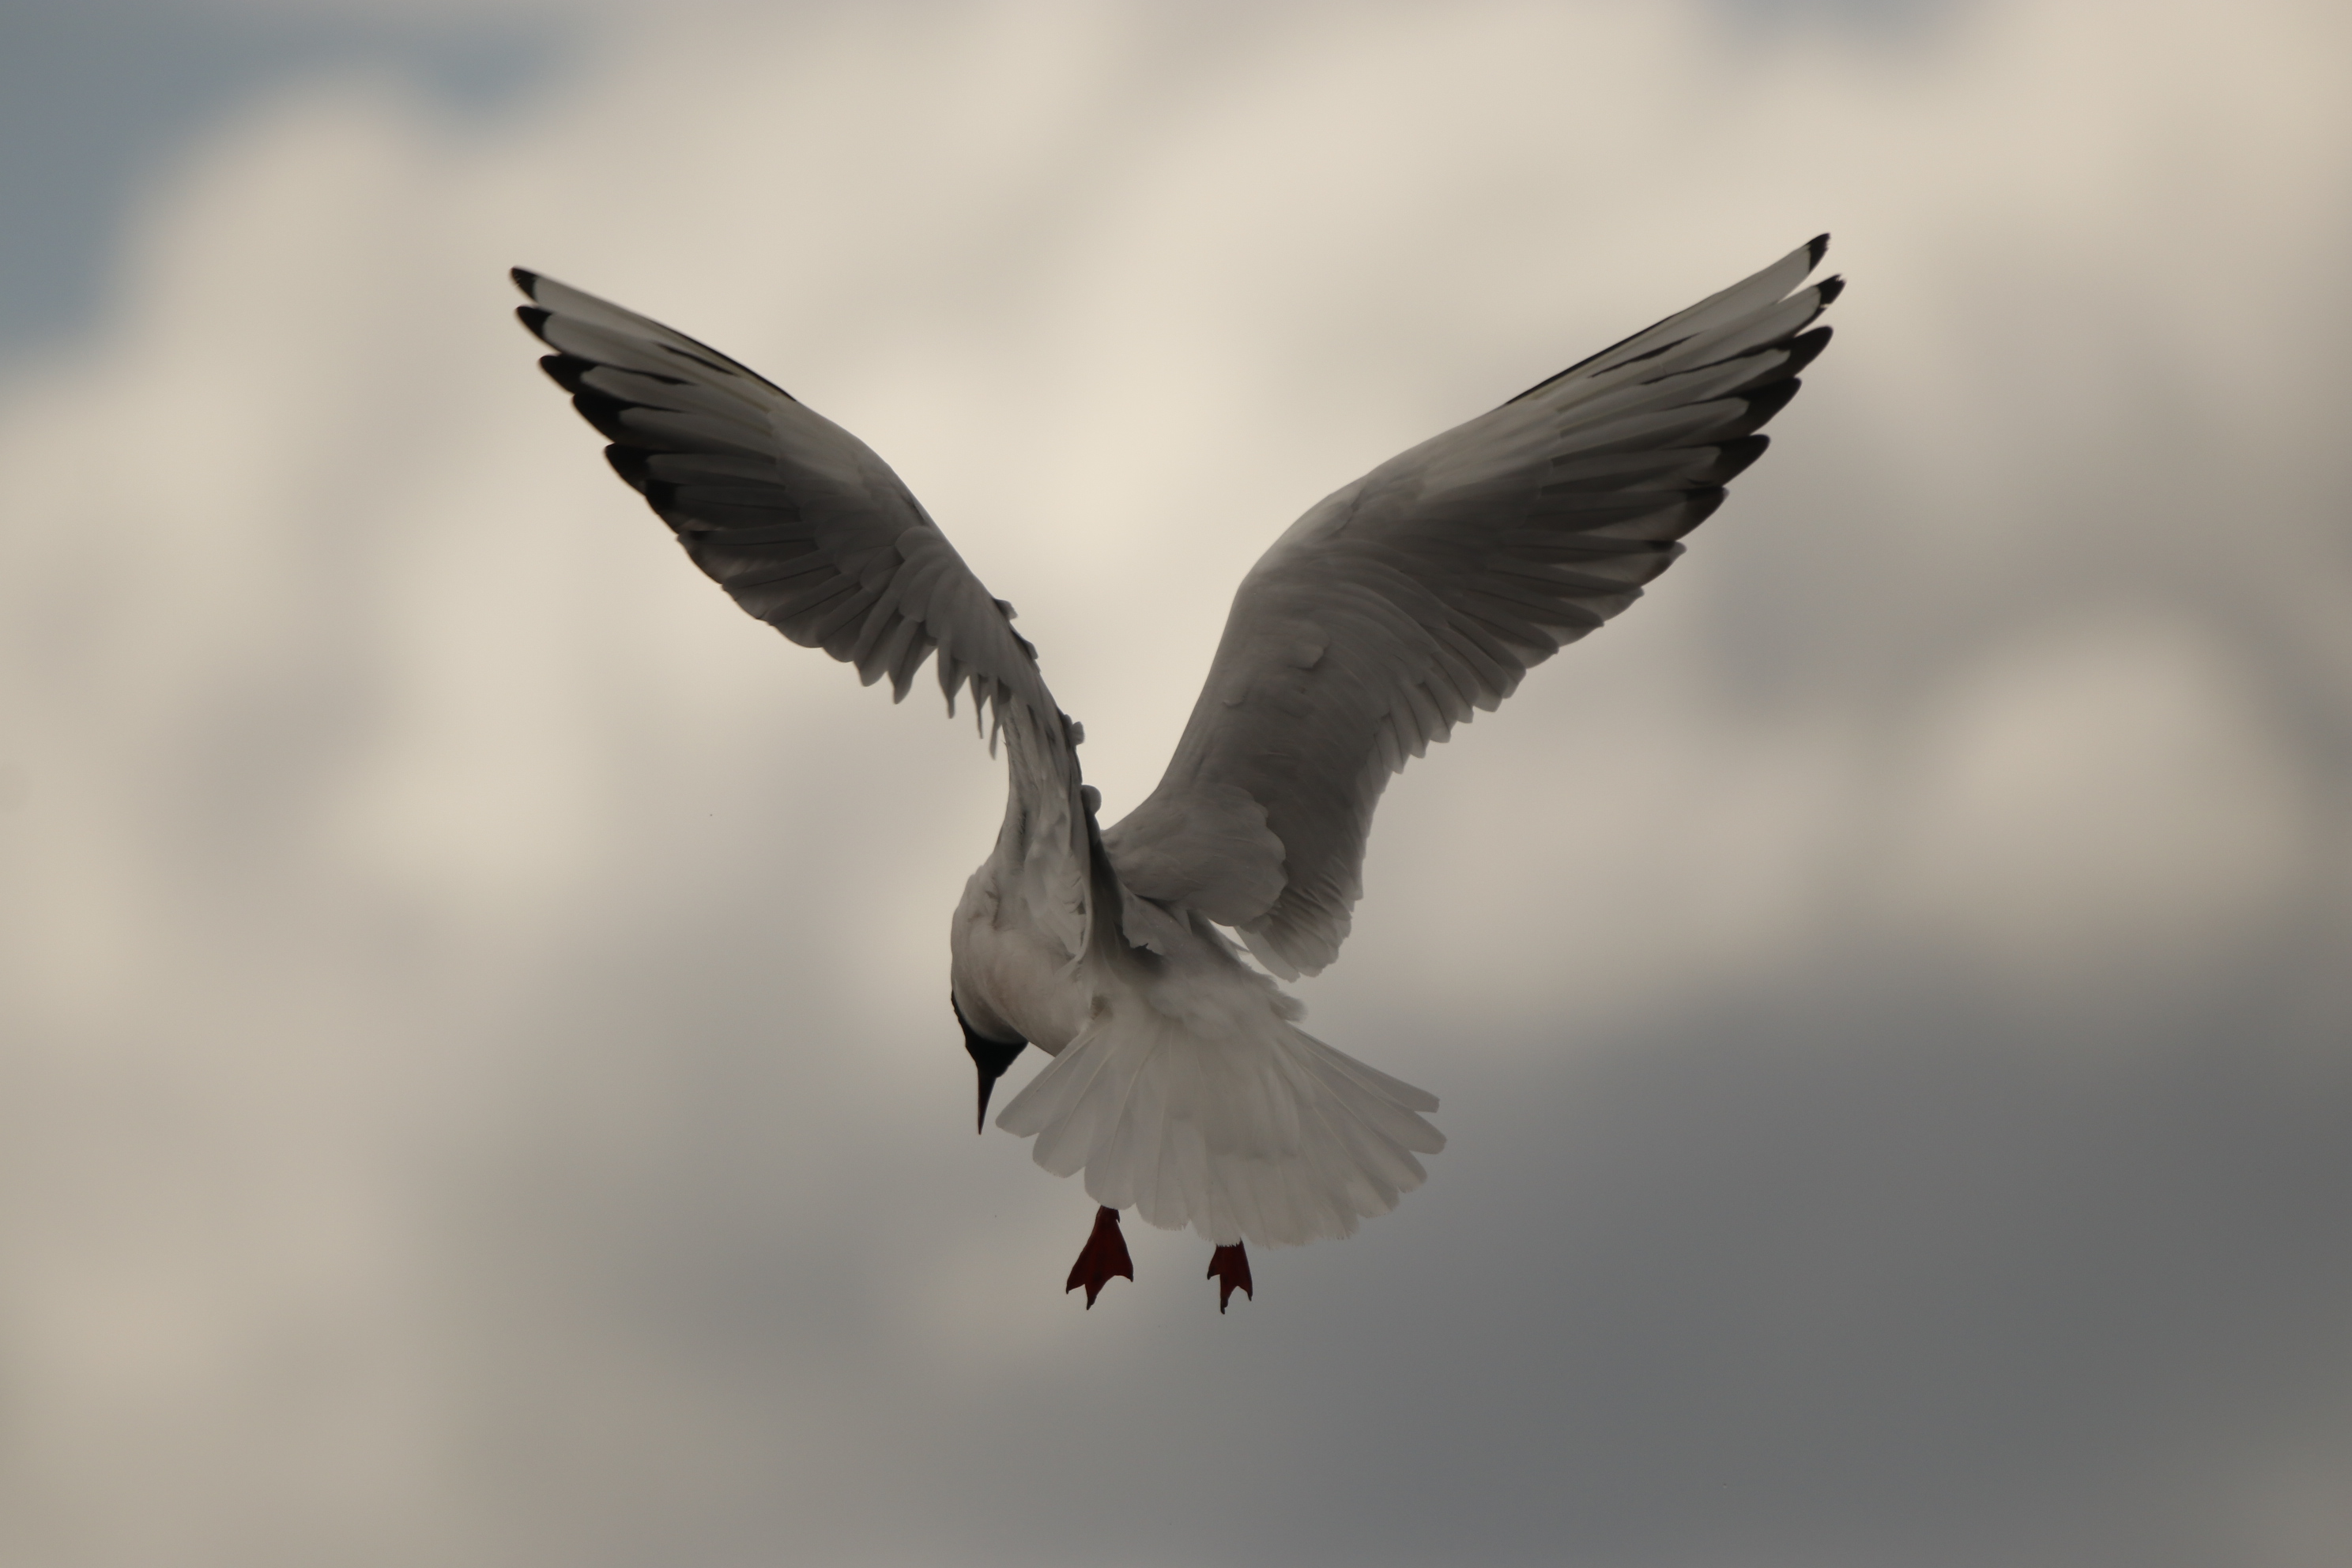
1257,1131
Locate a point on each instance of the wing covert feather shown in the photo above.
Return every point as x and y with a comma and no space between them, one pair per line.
1425,591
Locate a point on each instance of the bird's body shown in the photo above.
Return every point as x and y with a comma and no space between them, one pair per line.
1180,1084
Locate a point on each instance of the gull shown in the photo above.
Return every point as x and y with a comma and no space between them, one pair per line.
1179,1081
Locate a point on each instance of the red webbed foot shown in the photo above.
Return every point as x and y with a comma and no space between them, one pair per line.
1104,1259
1229,1266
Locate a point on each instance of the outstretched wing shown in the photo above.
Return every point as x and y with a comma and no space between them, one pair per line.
797,519
1428,587
810,532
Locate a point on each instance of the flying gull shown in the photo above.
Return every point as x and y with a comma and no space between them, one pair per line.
1180,1083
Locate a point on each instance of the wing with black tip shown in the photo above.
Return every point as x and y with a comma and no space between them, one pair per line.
1428,587
798,519
810,532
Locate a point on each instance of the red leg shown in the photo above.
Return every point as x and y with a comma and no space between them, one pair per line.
1104,1259
1229,1266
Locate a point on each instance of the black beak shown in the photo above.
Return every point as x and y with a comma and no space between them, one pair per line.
990,1056
987,1087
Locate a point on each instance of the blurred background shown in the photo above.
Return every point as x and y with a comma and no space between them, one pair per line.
476,1079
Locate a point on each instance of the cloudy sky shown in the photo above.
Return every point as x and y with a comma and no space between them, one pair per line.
476,1082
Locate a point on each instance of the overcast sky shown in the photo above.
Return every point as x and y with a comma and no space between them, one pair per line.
476,1082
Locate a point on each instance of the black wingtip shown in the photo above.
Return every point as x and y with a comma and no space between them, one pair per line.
1829,288
524,279
534,318
566,370
1805,348
1733,458
632,464
1766,402
1817,247
606,413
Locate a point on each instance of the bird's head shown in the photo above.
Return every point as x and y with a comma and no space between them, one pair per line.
990,1056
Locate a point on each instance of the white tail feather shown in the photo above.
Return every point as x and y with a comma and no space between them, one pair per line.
1252,1131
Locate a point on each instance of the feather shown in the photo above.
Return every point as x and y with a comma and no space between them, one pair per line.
1232,1121
1437,580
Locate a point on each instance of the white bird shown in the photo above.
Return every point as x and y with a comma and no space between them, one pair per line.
1180,1083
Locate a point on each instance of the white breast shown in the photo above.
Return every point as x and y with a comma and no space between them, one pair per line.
1010,977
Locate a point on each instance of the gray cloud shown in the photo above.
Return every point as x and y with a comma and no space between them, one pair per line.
97,98
475,1079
